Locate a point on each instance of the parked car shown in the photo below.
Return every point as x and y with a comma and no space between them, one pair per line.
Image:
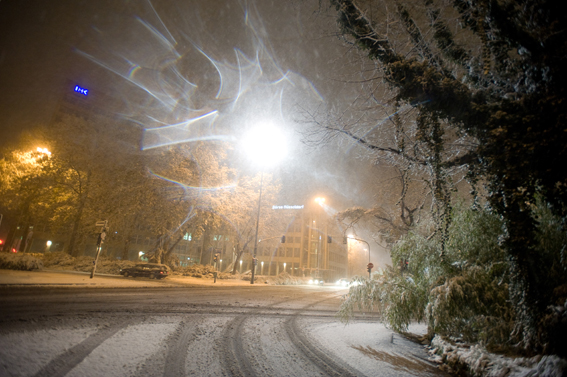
150,270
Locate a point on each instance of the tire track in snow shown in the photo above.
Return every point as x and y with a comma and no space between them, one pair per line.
318,357
64,363
234,359
177,353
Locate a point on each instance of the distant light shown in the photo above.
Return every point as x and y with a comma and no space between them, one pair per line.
140,253
44,151
320,201
84,91
48,243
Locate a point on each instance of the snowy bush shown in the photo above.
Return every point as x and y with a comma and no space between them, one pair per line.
26,262
58,260
195,270
285,279
202,271
462,292
477,361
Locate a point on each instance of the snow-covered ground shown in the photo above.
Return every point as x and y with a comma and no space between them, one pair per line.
480,362
141,349
201,344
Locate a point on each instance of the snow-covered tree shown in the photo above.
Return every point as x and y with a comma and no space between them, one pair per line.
492,74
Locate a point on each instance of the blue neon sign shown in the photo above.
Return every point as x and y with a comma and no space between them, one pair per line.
84,91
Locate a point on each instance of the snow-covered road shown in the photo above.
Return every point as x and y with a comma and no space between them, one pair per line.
229,331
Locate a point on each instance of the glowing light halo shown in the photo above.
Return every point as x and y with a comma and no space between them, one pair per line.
265,144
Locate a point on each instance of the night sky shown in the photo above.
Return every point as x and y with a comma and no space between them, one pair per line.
163,63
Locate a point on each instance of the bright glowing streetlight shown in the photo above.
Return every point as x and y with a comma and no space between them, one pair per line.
320,201
266,146
44,151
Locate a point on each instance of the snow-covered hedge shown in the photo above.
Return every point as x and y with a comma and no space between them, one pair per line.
202,271
19,261
475,360
285,279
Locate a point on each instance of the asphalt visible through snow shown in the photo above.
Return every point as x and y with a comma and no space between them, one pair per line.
240,330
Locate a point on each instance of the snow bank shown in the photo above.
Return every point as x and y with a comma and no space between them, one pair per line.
477,361
25,262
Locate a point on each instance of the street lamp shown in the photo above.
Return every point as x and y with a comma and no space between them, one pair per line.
367,244
266,146
44,151
321,202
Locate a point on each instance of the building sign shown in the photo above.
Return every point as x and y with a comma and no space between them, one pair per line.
84,91
288,207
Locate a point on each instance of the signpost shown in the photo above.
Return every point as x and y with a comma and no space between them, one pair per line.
99,242
370,266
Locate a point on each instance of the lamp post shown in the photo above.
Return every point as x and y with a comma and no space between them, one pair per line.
367,244
321,202
266,145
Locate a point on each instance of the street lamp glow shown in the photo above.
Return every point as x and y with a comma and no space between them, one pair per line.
44,151
48,243
265,144
320,201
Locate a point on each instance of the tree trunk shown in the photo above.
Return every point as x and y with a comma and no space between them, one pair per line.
71,248
126,249
238,256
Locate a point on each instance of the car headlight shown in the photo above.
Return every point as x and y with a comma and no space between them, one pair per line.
310,281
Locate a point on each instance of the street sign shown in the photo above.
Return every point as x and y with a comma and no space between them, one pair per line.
370,265
100,223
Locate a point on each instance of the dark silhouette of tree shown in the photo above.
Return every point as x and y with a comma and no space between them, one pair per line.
493,72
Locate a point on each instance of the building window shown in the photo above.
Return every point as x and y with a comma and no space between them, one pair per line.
289,252
296,252
281,252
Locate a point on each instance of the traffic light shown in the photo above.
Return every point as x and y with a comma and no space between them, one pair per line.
345,240
216,258
283,239
369,269
329,239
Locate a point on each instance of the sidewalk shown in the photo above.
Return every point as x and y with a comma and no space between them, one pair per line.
61,278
